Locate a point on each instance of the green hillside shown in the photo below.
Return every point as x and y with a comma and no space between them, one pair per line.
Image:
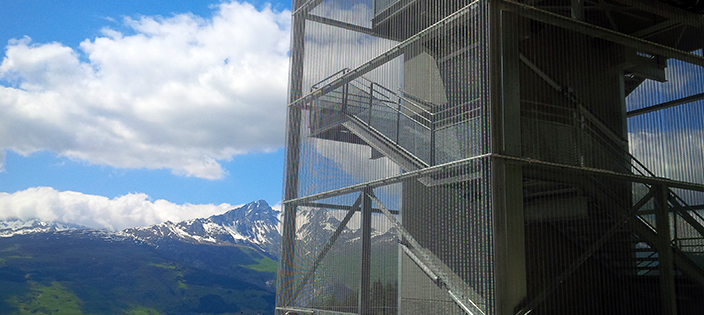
62,274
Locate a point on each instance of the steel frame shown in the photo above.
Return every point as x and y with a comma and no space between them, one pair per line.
659,187
665,105
599,32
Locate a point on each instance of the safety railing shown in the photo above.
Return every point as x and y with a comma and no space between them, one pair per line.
405,120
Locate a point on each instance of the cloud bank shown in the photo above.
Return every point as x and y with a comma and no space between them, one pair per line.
131,210
180,93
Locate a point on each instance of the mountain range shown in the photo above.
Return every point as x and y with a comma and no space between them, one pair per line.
223,264
255,224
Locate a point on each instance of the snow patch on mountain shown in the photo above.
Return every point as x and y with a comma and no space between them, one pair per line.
12,227
254,224
316,226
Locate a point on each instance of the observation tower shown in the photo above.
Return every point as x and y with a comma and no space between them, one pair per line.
494,157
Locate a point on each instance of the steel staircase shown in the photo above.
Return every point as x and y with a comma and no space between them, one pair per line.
615,223
395,125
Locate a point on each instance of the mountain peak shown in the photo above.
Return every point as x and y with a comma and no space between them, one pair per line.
255,224
260,203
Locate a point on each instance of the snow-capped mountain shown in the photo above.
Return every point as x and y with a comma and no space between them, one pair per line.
318,225
12,227
254,224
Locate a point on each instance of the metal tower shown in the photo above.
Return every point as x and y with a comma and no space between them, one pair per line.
494,157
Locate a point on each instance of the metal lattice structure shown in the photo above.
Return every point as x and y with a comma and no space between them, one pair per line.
494,157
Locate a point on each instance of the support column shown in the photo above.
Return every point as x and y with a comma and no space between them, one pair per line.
509,237
288,284
365,274
668,295
507,179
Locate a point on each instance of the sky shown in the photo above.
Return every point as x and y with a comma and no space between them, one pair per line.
124,113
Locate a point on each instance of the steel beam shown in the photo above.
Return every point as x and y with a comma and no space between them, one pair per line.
507,179
666,11
600,32
472,161
340,24
577,9
306,311
673,103
306,7
580,170
468,162
339,207
656,29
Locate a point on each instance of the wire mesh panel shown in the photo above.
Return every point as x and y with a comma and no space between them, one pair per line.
334,265
454,223
600,238
494,157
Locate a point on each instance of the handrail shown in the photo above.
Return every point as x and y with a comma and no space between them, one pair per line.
400,97
467,103
418,107
407,116
397,103
431,121
417,99
342,71
444,124
597,121
408,97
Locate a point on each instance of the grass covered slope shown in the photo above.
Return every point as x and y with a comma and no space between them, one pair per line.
74,273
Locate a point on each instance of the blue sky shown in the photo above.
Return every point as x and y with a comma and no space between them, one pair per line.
178,101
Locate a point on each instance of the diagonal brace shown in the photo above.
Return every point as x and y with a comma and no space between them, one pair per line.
684,213
338,231
421,257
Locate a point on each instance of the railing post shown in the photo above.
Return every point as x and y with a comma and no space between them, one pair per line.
432,143
578,134
668,295
345,94
371,102
398,122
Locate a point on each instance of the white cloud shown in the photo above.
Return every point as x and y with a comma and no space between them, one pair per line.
676,154
131,210
325,44
181,93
